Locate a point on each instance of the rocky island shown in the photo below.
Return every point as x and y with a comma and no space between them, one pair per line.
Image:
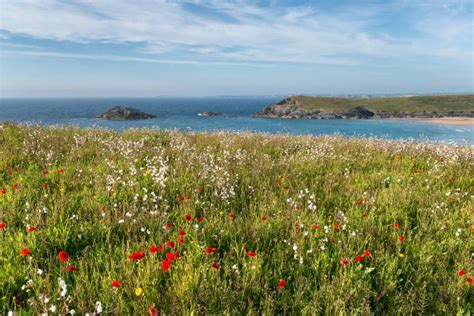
209,114
423,107
124,113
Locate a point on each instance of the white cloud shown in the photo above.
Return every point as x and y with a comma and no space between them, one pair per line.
251,34
118,58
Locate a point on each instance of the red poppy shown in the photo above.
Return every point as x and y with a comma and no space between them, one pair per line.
139,255
72,269
281,283
181,233
251,254
344,262
63,256
358,259
153,249
367,254
170,256
25,252
31,229
396,225
169,244
188,217
3,225
165,265
3,191
264,218
188,198
181,198
60,171
360,202
181,241
286,188
210,250
215,265
469,281
231,215
45,171
15,186
461,272
153,311
200,219
337,226
402,238
169,225
116,283
316,226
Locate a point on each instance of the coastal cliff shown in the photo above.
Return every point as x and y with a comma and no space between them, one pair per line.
296,107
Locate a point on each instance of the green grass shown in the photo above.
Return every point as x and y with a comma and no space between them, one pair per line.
107,195
444,103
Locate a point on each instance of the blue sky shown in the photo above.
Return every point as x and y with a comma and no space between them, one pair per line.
215,47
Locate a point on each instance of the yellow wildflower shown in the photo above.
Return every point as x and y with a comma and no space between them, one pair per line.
138,291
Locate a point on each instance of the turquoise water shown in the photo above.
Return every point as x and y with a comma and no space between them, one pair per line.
181,113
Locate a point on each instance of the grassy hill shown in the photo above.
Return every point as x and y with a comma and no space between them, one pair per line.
232,224
444,103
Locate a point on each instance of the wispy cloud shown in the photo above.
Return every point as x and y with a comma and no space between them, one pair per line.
215,31
118,58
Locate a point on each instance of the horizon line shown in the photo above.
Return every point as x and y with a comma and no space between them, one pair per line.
245,95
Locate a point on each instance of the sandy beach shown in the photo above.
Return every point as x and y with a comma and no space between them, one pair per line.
449,120
442,120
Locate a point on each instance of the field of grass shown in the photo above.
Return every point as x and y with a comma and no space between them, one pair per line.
439,103
161,222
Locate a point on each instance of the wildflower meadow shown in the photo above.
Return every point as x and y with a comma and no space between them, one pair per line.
155,222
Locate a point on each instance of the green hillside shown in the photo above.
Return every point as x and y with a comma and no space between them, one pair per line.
445,103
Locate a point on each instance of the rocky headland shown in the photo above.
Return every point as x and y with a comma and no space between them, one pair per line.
299,107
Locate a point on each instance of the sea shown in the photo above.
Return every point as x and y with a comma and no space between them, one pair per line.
182,114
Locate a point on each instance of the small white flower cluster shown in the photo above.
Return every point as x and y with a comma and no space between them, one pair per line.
312,203
346,173
27,285
63,287
97,309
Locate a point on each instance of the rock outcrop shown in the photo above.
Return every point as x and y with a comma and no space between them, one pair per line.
124,113
209,114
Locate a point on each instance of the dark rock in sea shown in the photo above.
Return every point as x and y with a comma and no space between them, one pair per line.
209,114
124,113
